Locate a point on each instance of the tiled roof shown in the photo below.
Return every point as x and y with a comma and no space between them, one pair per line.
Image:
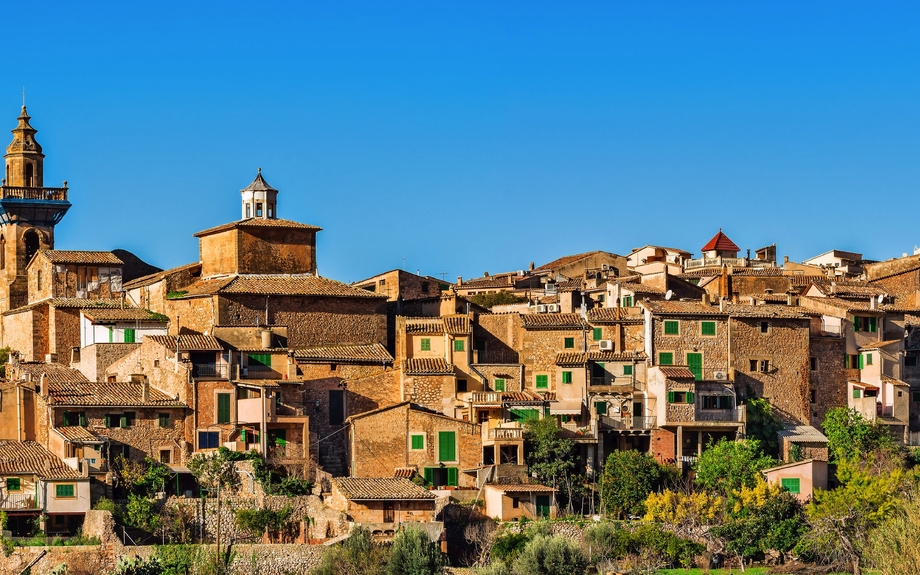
502,281
613,315
81,257
360,488
127,394
553,321
805,281
276,284
580,358
681,308
407,472
374,353
259,382
641,288
76,433
766,310
721,243
676,372
457,324
158,276
188,342
856,305
711,272
894,381
259,185
428,366
75,303
911,320
425,325
566,260
569,285
907,270
803,434
128,314
53,372
881,344
24,457
848,289
767,297
521,487
257,223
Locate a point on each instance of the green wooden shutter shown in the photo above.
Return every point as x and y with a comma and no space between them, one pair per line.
695,363
129,336
123,421
543,506
13,484
447,446
598,334
857,323
708,328
600,407
107,420
426,344
627,370
566,377
569,343
666,358
453,477
790,484
873,325
458,345
518,414
860,360
499,384
868,359
418,442
428,474
64,490
542,381
670,397
66,418
223,408
856,394
83,420
691,397
671,328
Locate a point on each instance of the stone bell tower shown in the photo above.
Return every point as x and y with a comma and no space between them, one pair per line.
28,212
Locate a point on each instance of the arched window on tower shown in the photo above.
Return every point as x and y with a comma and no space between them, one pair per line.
2,253
258,209
271,210
30,175
32,244
248,210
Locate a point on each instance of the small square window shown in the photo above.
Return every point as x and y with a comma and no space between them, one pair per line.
566,377
515,502
868,359
666,358
417,441
459,345
569,343
813,364
499,384
64,490
671,328
461,385
752,365
425,344
598,334
764,365
164,420
764,327
542,381
13,484
627,370
166,456
708,328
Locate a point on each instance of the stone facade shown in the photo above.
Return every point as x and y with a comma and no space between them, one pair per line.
689,339
94,360
246,248
828,383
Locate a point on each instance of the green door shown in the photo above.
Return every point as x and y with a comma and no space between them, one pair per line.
695,363
542,505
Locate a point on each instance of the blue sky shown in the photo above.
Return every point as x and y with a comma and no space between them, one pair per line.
468,137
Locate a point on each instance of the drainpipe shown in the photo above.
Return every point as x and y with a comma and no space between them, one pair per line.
263,439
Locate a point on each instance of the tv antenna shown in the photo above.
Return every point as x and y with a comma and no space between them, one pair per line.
881,297
669,295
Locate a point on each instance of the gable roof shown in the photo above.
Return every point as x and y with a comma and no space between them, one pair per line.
568,260
187,342
600,315
427,366
372,353
380,488
121,394
29,457
676,372
81,257
257,223
553,321
276,284
720,242
153,278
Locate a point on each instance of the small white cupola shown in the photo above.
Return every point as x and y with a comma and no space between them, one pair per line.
260,200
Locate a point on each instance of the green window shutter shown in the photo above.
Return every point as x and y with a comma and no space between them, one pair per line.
860,360
600,407
123,421
223,408
856,394
666,358
524,414
64,490
428,474
281,437
543,507
695,363
13,484
129,336
499,384
790,484
873,324
66,418
107,420
260,360
868,359
627,301
566,377
691,397
671,328
83,420
542,381
458,345
857,323
111,335
670,397
569,343
447,446
418,442
453,477
627,370
426,344
846,361
708,328
598,334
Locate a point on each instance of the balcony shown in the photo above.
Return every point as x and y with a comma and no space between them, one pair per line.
734,415
579,434
19,501
720,261
288,451
209,370
486,398
30,193
496,356
506,434
629,422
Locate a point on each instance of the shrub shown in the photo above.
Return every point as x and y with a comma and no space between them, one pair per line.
414,553
257,521
628,478
506,548
607,541
357,554
550,556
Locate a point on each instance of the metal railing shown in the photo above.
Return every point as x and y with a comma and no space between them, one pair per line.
19,501
734,414
506,433
720,261
259,368
612,380
209,370
497,356
33,193
629,421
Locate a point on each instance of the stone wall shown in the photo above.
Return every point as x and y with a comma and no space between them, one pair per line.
432,391
95,359
690,340
511,373
538,353
18,332
501,335
829,381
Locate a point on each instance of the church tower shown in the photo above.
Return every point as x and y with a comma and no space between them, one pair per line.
260,200
28,212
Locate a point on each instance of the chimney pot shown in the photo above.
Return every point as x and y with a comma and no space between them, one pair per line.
459,280
531,266
722,304
785,259
735,298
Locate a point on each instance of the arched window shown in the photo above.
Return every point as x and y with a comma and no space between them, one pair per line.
271,210
30,175
248,210
32,244
258,209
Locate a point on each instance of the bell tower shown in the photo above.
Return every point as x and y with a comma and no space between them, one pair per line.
28,212
260,200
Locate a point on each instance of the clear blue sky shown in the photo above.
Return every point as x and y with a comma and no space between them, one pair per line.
469,137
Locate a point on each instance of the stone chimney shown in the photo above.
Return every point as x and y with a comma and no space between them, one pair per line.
145,391
722,304
705,298
459,281
531,266
873,303
785,260
735,298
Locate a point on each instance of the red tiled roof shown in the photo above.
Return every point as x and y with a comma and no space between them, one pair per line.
82,257
580,358
881,344
188,342
457,324
521,487
76,433
363,488
72,302
54,372
257,223
29,457
374,353
720,242
157,276
681,308
122,394
425,325
676,372
276,284
613,315
97,315
427,366
553,321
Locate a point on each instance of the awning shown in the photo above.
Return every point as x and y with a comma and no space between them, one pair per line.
179,469
566,407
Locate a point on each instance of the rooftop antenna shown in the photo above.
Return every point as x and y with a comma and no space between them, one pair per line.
444,276
881,297
669,295
23,96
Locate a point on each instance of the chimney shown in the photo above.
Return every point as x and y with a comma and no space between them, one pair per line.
42,390
485,274
833,287
266,338
459,281
531,266
705,298
790,299
145,391
735,298
785,259
722,304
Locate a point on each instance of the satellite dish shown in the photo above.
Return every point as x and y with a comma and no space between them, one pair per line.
669,295
881,297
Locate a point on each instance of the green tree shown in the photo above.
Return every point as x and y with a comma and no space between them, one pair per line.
628,478
141,513
551,556
357,555
550,456
850,435
728,466
762,424
414,553
489,300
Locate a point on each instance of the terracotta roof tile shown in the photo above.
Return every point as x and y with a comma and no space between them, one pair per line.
720,242
580,358
53,372
881,344
569,285
457,324
681,308
856,305
521,487
158,276
81,257
76,433
123,394
407,472
676,372
640,288
26,457
372,353
802,434
362,488
188,342
73,303
553,321
98,315
713,271
766,311
601,315
257,223
566,260
427,366
425,325
491,282
276,284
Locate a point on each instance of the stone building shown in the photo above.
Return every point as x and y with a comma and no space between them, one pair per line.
384,505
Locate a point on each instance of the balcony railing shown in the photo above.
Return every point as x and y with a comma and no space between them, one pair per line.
209,370
18,501
630,422
506,433
497,356
720,261
735,414
612,380
486,397
31,193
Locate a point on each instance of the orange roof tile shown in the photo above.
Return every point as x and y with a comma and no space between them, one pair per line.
372,353
369,488
427,366
29,457
720,242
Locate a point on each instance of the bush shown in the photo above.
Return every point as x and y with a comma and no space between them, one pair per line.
498,298
506,548
414,553
257,521
628,478
550,556
607,541
357,554
728,466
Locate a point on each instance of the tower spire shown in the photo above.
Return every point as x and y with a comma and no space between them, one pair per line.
260,200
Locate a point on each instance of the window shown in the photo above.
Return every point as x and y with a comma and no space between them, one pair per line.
857,393
718,402
38,279
110,420
126,420
868,359
64,490
910,361
164,420
814,396
542,381
764,365
248,210
569,343
790,484
258,209
2,253
524,414
208,439
566,377
665,358
447,446
708,328
499,384
598,334
600,407
425,344
681,397
671,328
695,363
13,484
425,287
764,327
166,456
459,345
260,361
869,324
752,365
336,406
627,370
813,365
223,408
627,301
129,336
74,418
515,502
271,210
461,385
417,441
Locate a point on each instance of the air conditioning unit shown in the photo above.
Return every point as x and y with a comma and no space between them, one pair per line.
554,307
605,267
520,273
605,345
720,375
541,309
